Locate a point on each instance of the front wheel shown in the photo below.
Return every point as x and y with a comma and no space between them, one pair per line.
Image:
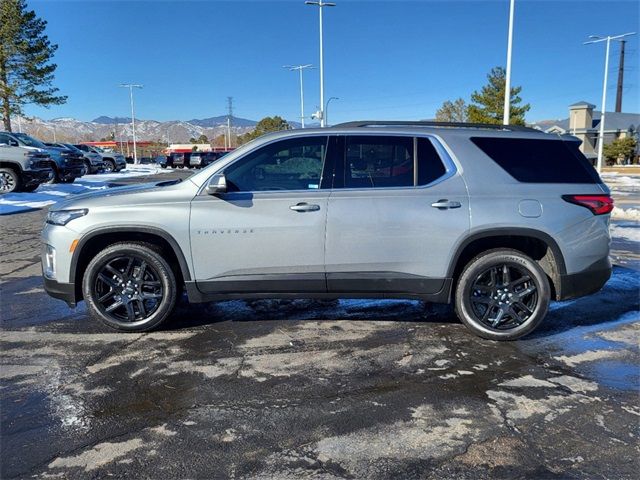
502,295
109,166
130,287
9,181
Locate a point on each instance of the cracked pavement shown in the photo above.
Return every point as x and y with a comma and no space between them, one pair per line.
309,389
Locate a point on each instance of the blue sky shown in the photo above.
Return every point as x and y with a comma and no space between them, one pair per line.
384,60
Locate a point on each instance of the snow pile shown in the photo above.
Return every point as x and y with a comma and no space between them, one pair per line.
627,231
131,171
626,214
48,194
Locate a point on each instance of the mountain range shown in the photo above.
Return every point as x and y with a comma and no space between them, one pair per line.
173,131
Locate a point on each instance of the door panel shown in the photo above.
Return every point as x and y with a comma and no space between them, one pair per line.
255,242
392,239
267,233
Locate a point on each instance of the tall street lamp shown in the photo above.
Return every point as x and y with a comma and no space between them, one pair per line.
326,109
131,86
300,68
597,39
507,86
320,4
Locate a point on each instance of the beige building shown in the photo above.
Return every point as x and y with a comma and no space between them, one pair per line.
584,123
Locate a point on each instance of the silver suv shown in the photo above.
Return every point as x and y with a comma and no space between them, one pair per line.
498,220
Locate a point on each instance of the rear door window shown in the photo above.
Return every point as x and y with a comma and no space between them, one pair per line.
539,160
390,161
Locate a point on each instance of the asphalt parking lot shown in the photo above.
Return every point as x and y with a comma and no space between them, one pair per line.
348,389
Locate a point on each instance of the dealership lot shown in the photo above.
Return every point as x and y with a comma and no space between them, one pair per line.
348,389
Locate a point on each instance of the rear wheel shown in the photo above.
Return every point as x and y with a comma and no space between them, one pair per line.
130,287
502,295
9,181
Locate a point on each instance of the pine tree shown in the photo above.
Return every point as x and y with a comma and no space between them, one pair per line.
266,125
488,104
26,70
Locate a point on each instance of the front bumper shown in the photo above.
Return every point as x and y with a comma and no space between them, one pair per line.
586,282
71,172
31,177
61,291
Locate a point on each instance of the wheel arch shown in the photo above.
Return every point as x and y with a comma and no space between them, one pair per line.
12,165
91,243
537,244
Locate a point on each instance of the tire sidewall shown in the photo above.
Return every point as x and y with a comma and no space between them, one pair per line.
166,277
16,181
482,263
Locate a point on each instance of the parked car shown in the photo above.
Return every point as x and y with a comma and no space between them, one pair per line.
161,160
204,159
66,165
496,219
113,161
179,160
22,169
92,161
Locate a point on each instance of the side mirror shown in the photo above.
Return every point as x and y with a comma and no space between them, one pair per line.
217,184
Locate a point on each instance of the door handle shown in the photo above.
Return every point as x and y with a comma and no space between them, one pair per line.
444,204
305,207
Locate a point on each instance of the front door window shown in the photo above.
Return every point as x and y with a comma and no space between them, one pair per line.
293,164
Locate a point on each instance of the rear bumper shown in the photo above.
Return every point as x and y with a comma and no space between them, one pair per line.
586,282
61,291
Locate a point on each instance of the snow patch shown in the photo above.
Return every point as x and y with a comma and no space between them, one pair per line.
626,214
631,233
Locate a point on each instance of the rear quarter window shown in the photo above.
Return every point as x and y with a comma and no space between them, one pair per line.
539,160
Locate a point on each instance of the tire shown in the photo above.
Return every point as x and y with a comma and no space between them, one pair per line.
68,180
112,287
9,181
87,165
56,176
109,166
502,306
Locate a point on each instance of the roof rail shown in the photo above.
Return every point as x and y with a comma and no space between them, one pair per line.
426,123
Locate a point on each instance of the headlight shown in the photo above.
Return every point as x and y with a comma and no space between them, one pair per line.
49,262
62,217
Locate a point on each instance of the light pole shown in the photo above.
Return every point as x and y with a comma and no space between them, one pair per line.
300,68
507,87
131,86
320,4
326,110
598,39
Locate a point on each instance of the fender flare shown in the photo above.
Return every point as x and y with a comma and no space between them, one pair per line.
182,262
512,232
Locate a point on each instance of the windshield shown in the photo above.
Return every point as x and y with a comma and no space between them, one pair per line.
28,141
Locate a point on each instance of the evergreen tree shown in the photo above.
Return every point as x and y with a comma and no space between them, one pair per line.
266,125
621,149
26,70
488,104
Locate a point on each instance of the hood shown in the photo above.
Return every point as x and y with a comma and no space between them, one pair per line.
126,195
34,149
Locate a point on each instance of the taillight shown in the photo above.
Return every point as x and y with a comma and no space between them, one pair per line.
598,204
